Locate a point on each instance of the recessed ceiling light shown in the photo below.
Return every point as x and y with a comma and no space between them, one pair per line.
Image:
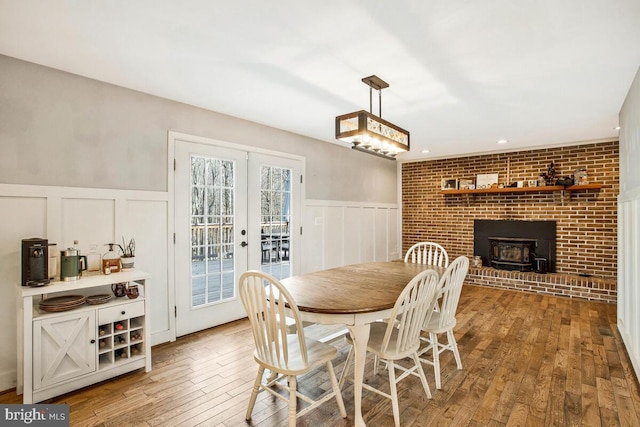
616,128
502,141
425,151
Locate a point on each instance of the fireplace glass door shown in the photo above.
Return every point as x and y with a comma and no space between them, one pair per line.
512,253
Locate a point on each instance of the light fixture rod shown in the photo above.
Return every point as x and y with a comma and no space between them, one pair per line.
379,101
375,82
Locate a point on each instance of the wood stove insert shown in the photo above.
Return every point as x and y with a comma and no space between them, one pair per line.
515,254
541,232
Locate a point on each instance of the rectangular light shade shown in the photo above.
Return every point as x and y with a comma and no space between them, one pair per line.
366,130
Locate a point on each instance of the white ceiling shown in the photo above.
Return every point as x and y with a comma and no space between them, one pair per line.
463,74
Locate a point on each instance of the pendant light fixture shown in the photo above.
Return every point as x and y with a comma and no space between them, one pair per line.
370,133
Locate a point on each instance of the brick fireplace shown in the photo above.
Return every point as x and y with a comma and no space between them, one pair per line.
586,221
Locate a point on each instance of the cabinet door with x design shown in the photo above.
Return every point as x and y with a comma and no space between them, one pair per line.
64,347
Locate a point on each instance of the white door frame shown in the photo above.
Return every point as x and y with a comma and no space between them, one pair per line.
171,143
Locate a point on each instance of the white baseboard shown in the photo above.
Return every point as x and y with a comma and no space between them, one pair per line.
8,380
161,338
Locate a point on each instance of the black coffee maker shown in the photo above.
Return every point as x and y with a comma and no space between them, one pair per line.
35,262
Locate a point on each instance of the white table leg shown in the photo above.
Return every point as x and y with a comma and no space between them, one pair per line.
360,335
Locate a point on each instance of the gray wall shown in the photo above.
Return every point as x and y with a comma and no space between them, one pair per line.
61,129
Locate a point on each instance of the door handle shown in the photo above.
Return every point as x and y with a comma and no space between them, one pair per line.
244,244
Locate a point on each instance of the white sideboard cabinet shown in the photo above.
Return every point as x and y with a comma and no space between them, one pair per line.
62,351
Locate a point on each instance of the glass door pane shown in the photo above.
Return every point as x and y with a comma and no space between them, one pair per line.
275,220
212,230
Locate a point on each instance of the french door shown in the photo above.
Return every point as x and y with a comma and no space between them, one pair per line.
234,210
274,201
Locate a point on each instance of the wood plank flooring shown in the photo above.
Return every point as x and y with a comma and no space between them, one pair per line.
529,360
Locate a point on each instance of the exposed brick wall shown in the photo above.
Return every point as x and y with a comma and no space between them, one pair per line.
586,223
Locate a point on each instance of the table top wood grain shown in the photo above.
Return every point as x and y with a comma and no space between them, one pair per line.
352,289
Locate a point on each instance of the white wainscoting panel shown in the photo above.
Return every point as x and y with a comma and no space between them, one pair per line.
368,233
312,238
381,233
333,248
22,218
356,238
629,274
148,222
393,234
93,217
90,221
342,233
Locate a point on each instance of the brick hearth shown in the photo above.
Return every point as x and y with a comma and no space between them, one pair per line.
558,284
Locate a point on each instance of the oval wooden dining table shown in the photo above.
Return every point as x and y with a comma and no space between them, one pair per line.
354,295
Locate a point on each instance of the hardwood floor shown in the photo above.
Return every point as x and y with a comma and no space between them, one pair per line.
529,360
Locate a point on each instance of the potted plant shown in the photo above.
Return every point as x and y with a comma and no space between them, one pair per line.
128,251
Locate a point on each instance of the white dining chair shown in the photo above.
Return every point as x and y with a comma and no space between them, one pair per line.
288,355
394,341
444,320
427,253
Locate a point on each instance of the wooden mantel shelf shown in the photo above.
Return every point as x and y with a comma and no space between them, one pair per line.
541,189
